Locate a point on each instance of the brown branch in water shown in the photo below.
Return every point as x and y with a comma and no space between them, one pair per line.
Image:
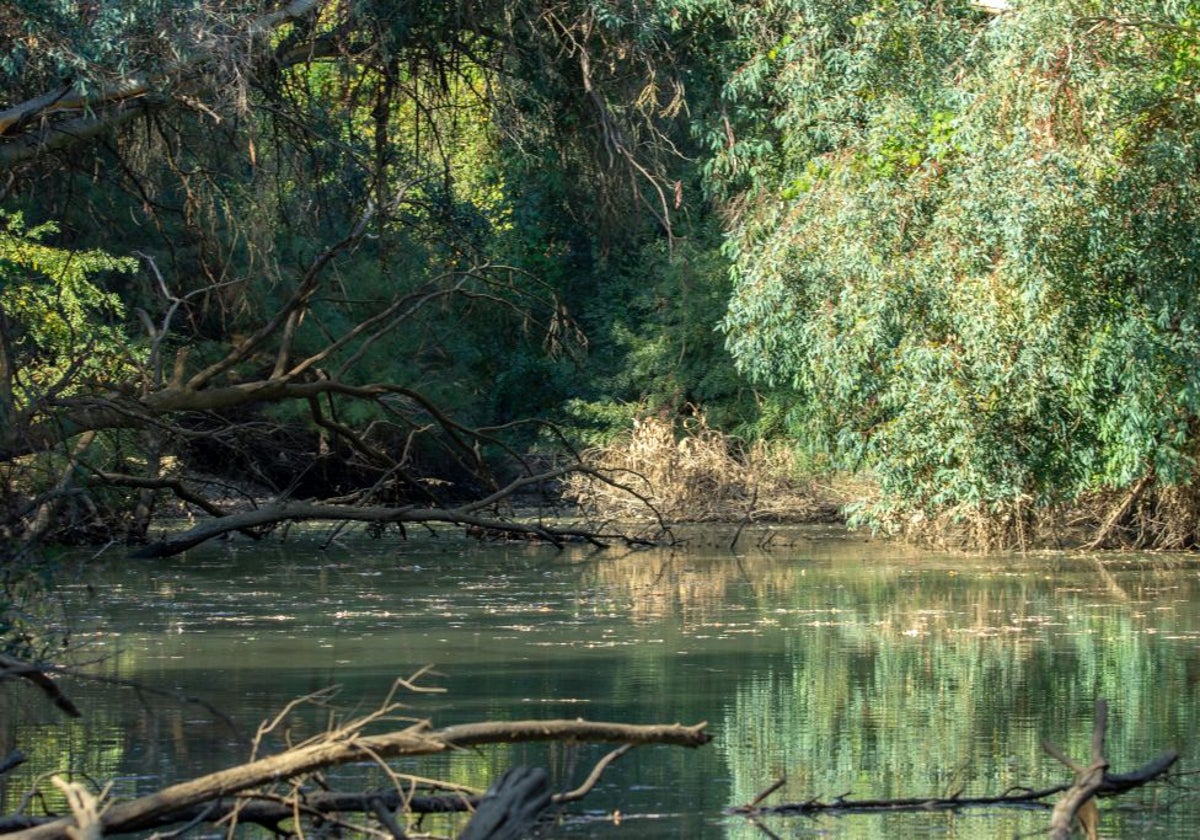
843,805
753,803
1087,783
1095,780
1114,784
418,739
271,811
593,777
10,666
466,515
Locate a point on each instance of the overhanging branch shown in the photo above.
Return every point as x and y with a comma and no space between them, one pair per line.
72,114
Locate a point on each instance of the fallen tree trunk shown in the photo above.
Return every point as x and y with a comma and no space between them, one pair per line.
345,747
296,511
271,812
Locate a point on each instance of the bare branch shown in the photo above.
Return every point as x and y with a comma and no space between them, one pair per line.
296,511
299,298
593,777
415,740
12,667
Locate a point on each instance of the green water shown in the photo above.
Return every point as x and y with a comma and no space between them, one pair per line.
849,666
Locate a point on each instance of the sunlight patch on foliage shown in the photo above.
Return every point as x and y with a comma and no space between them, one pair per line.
64,324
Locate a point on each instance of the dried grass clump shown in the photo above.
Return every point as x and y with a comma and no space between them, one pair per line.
692,473
1014,525
1146,515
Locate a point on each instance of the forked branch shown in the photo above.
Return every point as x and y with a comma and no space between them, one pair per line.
415,740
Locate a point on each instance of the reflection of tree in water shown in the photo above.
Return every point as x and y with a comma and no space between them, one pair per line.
153,729
697,586
925,681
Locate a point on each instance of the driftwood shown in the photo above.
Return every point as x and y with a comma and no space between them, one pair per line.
469,515
1091,781
200,799
272,812
845,805
10,666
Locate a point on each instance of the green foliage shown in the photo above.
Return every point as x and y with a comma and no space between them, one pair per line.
51,41
60,323
968,244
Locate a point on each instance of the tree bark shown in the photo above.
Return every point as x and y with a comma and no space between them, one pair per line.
419,739
1094,779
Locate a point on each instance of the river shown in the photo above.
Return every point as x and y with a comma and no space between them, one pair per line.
847,665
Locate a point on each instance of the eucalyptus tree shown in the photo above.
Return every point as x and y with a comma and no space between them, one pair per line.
965,237
322,201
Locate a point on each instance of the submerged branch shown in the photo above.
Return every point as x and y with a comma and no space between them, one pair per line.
1092,780
12,667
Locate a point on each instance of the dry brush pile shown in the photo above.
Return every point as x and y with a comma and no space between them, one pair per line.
690,472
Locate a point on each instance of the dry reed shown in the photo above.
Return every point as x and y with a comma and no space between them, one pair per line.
692,473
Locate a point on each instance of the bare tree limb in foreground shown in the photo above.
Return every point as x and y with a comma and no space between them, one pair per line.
345,746
1092,780
272,812
1095,780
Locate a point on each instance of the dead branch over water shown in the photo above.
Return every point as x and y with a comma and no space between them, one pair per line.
1077,804
181,801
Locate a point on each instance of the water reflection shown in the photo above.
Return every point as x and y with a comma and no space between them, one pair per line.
848,666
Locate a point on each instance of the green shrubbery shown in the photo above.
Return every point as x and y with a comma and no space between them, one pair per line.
951,249
968,244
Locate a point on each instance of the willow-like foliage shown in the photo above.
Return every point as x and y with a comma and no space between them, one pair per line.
968,241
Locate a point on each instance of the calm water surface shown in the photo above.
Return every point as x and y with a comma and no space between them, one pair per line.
848,666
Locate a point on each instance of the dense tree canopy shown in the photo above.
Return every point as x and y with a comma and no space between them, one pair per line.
960,237
355,224
968,241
